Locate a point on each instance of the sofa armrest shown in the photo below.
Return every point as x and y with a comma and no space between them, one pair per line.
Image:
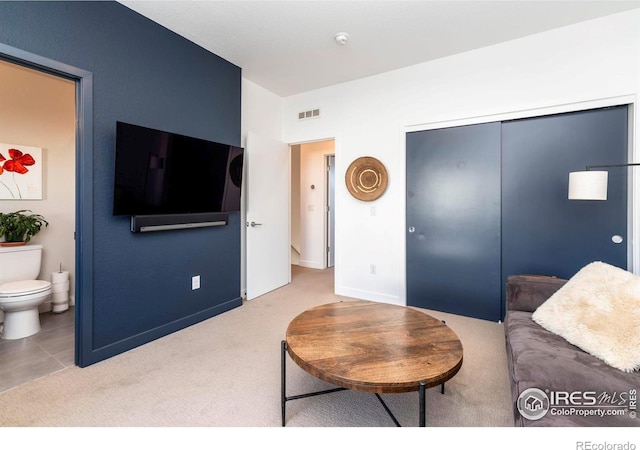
528,292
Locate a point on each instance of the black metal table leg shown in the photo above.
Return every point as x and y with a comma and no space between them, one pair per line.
442,385
421,393
283,395
386,408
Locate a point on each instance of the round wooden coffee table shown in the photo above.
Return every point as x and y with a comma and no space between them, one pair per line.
372,347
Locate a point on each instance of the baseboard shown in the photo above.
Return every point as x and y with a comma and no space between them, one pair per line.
132,342
361,294
311,264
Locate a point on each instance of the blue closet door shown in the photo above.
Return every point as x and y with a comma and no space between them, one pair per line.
542,231
488,201
453,220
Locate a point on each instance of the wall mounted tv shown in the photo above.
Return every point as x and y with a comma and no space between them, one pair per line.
166,180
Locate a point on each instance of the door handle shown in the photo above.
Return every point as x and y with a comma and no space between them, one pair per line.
253,224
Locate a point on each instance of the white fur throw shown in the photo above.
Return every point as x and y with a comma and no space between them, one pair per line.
598,310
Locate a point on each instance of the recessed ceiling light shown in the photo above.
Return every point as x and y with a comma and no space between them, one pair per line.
341,38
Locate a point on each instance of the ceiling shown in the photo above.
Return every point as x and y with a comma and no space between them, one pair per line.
288,47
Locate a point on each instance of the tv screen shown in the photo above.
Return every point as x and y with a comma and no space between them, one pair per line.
157,172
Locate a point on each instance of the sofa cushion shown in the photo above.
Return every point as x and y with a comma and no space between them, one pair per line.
528,292
598,310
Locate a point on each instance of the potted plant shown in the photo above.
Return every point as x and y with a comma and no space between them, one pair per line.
20,226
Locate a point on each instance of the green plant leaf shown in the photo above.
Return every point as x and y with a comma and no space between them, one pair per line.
21,225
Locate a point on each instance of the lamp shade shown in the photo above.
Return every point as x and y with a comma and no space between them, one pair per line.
588,185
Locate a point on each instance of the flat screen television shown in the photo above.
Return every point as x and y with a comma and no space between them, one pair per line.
163,173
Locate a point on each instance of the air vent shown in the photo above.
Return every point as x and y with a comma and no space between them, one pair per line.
311,114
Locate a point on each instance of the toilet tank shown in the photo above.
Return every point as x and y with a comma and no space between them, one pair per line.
20,263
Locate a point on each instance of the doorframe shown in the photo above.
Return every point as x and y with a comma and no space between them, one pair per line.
84,188
633,202
329,212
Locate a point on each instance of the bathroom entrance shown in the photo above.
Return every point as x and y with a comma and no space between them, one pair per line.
39,113
38,120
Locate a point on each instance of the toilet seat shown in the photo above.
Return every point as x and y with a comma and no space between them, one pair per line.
18,289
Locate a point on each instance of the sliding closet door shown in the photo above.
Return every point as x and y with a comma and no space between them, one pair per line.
542,231
453,220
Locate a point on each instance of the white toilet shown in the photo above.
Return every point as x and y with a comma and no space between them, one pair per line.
20,292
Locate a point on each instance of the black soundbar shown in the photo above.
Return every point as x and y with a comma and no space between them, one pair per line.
143,224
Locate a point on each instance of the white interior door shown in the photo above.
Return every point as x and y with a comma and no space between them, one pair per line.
267,217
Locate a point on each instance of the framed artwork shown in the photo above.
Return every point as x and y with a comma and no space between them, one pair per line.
20,172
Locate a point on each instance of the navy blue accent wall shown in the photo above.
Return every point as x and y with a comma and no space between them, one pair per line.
146,75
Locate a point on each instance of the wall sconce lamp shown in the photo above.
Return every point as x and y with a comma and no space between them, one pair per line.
591,184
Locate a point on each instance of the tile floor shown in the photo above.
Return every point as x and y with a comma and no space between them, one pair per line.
50,350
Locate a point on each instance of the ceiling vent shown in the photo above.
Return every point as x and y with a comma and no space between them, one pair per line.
311,114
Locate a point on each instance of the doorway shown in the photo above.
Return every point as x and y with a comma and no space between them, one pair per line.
83,248
40,111
39,116
312,209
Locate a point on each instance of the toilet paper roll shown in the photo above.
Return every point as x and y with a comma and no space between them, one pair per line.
59,297
59,277
60,287
59,306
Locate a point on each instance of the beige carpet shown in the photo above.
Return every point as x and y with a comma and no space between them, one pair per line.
225,372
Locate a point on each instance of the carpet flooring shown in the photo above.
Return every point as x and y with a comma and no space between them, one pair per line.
225,372
203,386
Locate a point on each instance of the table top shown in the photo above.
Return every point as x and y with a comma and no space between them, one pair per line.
374,347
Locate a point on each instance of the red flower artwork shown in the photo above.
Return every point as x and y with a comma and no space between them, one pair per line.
18,161
17,164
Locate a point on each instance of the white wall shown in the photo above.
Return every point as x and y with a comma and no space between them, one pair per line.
586,65
38,110
312,203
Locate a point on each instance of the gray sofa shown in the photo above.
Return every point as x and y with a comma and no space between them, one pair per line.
540,359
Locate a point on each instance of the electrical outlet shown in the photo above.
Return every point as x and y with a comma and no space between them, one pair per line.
372,269
195,282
